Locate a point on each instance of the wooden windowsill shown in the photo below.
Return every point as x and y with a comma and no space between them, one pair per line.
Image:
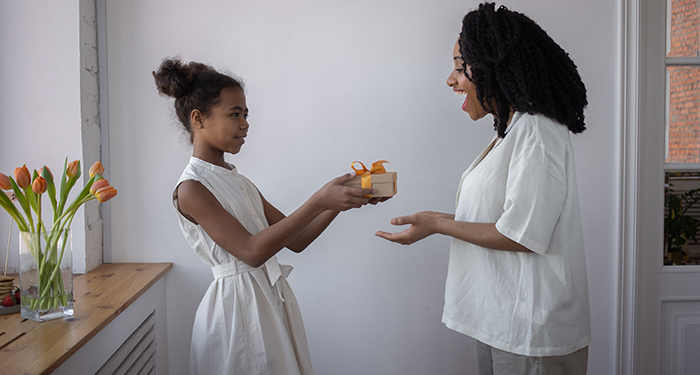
28,347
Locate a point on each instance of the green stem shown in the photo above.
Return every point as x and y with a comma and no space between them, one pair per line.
74,207
60,225
39,222
57,268
51,292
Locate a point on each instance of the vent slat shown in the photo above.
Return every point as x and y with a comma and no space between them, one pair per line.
137,353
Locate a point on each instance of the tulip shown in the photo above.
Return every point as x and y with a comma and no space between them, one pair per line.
39,185
72,168
5,182
106,193
22,177
99,184
97,168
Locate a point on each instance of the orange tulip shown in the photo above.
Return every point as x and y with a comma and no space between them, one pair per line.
5,182
22,177
106,193
99,184
97,168
39,185
72,168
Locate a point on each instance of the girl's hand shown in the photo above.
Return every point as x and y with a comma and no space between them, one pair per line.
336,197
374,200
423,224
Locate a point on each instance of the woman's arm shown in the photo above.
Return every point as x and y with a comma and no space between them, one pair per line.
424,224
200,206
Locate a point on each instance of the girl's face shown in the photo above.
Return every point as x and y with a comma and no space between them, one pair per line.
463,86
226,127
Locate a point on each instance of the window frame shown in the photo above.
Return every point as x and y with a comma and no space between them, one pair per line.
672,61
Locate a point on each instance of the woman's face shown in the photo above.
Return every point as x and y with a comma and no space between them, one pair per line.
463,86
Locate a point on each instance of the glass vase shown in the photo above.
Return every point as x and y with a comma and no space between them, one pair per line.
46,274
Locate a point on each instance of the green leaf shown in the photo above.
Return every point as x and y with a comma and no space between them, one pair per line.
22,201
83,193
72,180
29,193
64,191
50,188
7,204
679,241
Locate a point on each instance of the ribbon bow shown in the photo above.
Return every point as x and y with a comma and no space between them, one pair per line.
366,174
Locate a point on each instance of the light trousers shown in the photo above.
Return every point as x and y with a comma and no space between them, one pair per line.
493,361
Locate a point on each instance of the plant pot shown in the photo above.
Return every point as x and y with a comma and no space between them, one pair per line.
46,274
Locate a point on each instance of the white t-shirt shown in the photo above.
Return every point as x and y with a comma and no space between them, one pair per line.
533,304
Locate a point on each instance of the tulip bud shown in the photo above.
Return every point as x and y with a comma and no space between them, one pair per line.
39,185
5,182
72,168
22,177
106,193
99,184
97,168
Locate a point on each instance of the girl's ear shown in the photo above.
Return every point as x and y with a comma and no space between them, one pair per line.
197,119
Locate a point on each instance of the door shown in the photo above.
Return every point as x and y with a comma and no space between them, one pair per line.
660,304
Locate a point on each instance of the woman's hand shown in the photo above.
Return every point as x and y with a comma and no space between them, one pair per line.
423,224
336,197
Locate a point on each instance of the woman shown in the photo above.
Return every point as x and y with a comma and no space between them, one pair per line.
517,273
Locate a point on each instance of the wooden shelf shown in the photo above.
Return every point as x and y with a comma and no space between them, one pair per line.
28,347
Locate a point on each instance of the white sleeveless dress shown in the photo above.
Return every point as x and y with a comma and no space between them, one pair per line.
248,322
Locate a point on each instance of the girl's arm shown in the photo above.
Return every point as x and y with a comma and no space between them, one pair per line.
424,224
313,230
201,207
309,233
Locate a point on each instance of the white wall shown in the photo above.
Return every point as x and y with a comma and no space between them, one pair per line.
329,82
39,101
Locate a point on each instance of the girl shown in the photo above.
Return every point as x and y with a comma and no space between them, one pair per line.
248,321
516,280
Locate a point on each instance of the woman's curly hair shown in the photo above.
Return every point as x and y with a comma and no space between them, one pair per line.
515,64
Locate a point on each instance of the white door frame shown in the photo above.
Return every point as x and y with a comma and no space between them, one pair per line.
640,290
641,182
625,300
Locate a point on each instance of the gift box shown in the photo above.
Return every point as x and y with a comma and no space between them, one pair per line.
376,178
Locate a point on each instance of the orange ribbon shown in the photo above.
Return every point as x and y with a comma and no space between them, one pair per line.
366,174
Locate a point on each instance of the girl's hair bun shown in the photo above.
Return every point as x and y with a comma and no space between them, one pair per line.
195,86
175,79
